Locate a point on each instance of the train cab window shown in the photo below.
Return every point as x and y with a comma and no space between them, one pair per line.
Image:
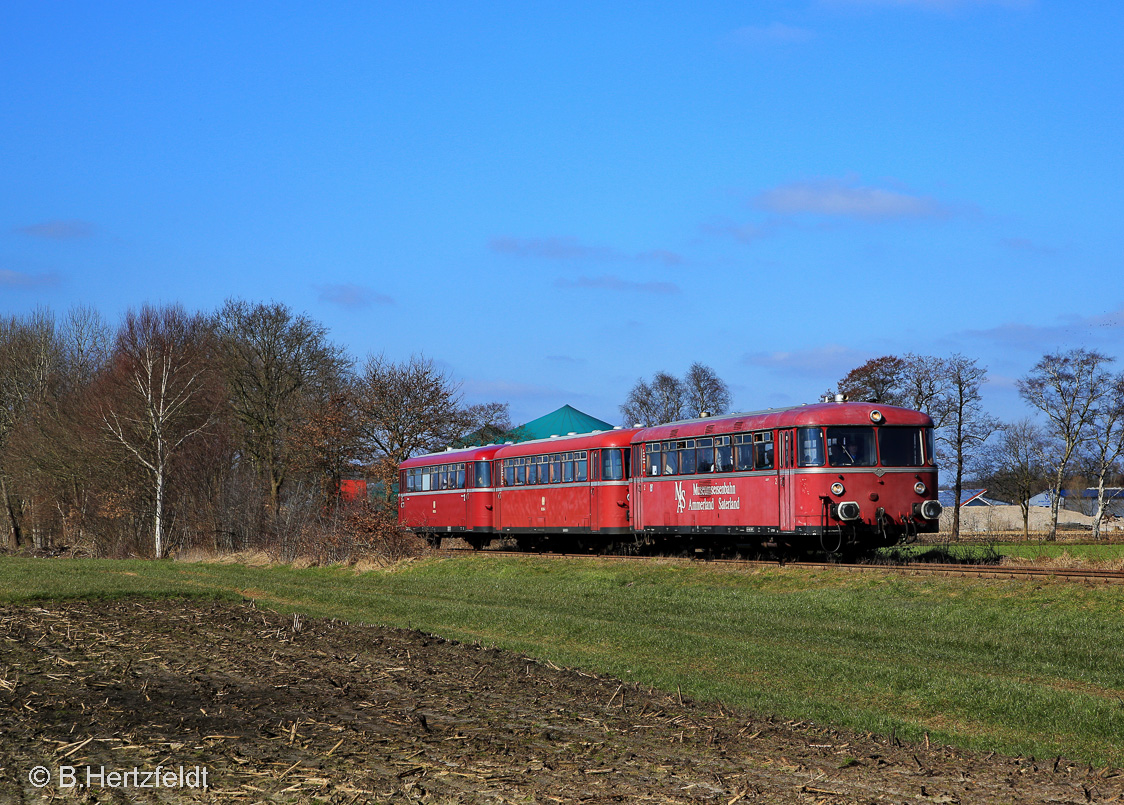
723,454
652,451
483,471
743,452
612,465
670,459
901,447
763,450
686,451
704,455
581,467
850,447
810,447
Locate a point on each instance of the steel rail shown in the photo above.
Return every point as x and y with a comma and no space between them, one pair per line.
1086,575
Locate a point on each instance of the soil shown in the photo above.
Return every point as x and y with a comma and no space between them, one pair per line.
280,709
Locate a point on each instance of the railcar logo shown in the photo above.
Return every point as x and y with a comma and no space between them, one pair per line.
680,498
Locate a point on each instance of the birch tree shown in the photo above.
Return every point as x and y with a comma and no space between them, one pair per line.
160,394
1067,387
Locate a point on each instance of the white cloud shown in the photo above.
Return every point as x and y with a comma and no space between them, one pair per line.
830,361
349,295
773,33
58,230
845,198
18,279
568,248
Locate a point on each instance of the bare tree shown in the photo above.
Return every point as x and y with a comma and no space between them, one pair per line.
273,360
927,384
705,391
1067,388
1105,445
485,423
1017,466
29,361
965,426
878,380
161,393
406,409
668,399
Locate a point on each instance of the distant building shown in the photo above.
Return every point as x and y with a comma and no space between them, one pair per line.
1084,501
968,497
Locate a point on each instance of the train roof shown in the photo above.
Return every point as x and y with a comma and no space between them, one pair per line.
452,456
829,413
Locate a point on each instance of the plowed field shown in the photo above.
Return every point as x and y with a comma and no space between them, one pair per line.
96,697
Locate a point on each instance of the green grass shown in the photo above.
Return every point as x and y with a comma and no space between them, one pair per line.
1034,550
1016,667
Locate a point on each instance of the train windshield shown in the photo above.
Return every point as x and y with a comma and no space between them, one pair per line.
903,447
810,441
851,447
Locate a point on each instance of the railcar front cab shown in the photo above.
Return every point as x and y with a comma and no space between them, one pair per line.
882,480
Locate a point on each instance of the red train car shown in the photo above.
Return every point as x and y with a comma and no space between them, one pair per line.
449,493
829,475
566,486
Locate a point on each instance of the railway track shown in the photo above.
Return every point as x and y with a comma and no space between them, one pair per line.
1083,575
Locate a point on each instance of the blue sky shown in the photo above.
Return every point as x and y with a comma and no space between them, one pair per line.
552,200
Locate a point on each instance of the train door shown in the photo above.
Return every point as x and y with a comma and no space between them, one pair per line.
786,469
594,489
636,479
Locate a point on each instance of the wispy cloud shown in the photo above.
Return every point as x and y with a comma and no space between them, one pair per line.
775,33
568,248
58,230
18,279
1071,329
846,198
831,361
611,283
352,296
933,5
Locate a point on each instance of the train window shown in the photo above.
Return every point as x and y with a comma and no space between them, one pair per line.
542,470
810,441
460,476
520,474
670,459
581,467
743,452
568,471
483,470
723,454
653,453
556,468
508,474
704,455
763,452
686,456
850,447
930,448
612,465
900,447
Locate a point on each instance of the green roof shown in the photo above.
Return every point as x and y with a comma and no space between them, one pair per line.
559,423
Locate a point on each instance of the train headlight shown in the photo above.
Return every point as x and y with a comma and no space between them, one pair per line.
876,417
928,510
847,510
919,488
837,489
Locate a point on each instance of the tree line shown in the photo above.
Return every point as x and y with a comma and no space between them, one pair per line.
223,431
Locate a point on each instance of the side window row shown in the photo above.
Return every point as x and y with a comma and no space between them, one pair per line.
555,468
444,476
741,452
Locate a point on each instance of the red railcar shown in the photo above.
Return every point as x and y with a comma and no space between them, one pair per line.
571,485
829,475
449,493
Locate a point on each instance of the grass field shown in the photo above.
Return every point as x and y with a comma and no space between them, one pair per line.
1092,554
1022,668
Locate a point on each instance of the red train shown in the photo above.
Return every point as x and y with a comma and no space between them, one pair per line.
830,476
